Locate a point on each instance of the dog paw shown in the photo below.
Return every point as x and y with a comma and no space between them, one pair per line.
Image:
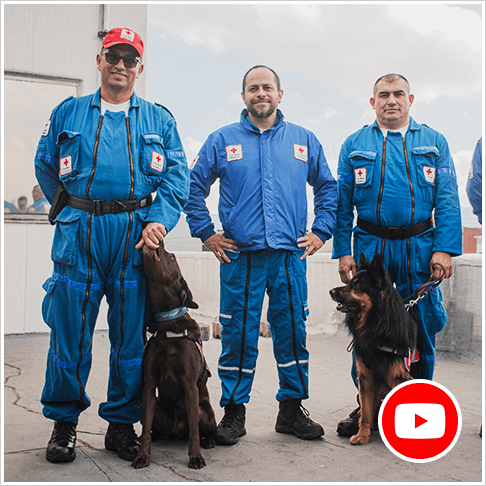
196,462
359,440
208,442
142,460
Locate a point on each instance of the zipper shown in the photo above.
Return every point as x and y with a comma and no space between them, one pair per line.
125,253
95,156
382,182
409,181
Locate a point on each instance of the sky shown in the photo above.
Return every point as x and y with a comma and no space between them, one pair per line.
328,57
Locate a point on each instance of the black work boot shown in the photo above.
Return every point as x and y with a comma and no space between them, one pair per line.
350,426
293,418
232,425
121,438
61,446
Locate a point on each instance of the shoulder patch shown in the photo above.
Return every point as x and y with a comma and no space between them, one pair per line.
45,132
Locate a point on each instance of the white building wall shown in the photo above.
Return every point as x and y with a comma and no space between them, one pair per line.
61,40
28,265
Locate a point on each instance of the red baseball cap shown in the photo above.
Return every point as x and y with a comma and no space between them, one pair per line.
120,35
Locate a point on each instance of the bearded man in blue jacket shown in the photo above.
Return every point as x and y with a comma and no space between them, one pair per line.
263,164
99,159
400,178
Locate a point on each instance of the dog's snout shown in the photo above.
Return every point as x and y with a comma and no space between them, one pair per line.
333,292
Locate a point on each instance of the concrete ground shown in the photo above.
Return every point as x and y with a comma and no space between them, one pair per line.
262,455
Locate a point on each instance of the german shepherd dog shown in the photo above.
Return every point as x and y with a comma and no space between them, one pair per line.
383,332
173,365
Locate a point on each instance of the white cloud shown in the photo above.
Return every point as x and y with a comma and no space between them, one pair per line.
462,162
436,46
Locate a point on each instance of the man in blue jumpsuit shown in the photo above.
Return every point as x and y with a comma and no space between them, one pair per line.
263,164
474,186
400,178
110,151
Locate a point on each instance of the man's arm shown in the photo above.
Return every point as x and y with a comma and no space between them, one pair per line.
325,200
474,186
448,226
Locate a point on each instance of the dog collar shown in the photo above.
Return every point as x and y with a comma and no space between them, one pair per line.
169,315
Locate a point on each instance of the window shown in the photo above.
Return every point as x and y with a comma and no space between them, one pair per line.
28,103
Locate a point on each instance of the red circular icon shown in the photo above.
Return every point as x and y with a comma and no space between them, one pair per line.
420,421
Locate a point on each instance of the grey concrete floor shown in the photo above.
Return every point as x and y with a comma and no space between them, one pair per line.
262,455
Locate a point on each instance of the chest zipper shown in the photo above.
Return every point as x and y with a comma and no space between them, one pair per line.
382,182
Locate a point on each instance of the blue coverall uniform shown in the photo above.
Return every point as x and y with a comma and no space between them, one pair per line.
109,157
263,208
474,186
398,182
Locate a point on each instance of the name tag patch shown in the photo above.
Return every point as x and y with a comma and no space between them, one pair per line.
234,152
429,173
45,132
300,152
157,162
360,175
66,164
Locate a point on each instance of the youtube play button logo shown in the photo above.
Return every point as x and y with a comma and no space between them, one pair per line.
420,421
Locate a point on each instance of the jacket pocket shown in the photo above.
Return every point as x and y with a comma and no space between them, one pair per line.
425,159
152,157
363,162
48,307
69,147
66,238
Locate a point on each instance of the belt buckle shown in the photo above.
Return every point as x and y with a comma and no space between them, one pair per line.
98,209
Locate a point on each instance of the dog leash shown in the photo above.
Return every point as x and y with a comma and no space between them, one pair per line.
426,288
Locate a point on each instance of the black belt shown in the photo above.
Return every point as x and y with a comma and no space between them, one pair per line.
99,207
395,233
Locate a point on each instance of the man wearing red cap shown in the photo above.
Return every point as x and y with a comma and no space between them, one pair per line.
99,161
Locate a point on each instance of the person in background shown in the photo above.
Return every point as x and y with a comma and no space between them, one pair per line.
41,204
98,161
399,177
474,187
22,204
263,164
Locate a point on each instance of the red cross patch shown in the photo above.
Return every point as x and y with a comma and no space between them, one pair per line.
157,162
360,175
429,173
66,165
45,132
234,152
300,152
194,162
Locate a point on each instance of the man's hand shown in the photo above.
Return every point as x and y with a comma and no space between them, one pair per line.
347,268
310,241
152,234
445,260
217,243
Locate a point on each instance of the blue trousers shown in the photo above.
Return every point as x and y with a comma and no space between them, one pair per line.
408,264
94,256
244,281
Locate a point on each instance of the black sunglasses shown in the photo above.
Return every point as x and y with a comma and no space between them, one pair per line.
128,61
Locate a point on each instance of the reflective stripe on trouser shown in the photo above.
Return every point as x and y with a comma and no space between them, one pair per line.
97,260
408,264
243,284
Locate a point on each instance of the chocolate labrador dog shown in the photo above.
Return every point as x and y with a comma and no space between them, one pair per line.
173,365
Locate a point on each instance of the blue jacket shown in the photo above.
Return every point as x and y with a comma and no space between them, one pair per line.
398,184
475,181
149,153
263,177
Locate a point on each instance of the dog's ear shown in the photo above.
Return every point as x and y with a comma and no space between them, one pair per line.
363,262
186,296
378,271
